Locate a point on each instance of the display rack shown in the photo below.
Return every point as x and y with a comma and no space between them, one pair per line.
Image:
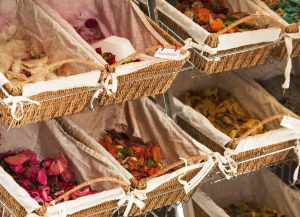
283,169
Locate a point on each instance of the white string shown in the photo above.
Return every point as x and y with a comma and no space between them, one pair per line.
188,43
133,197
297,152
16,102
109,84
183,182
226,164
288,39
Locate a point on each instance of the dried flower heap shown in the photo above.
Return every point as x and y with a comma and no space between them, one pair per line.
43,180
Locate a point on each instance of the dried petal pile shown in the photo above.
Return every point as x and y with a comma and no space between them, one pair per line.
289,10
222,110
45,180
213,15
139,158
90,31
242,209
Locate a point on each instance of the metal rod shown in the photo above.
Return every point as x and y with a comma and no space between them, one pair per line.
152,10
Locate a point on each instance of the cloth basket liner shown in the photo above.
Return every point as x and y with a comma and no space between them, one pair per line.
226,41
143,119
115,18
259,103
47,139
58,44
264,188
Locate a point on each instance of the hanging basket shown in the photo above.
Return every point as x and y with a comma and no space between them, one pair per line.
49,140
249,151
220,52
166,186
141,81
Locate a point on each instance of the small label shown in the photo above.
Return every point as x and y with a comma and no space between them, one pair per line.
3,79
291,123
54,211
199,177
167,53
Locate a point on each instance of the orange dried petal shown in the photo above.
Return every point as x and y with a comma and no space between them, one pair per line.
203,13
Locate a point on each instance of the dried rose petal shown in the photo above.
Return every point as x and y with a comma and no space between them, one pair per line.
91,23
42,177
31,155
25,183
7,154
26,73
47,163
82,192
17,159
31,172
67,176
98,50
44,192
58,166
136,60
17,169
36,196
59,193
111,60
65,185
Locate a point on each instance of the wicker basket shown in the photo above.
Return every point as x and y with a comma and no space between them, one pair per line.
280,51
249,160
227,60
53,132
165,194
52,104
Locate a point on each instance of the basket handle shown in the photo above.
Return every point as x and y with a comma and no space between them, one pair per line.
170,167
55,65
136,54
248,18
233,144
123,184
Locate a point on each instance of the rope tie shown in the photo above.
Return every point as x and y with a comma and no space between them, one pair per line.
132,197
297,152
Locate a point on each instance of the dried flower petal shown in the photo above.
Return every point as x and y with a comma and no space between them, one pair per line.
31,173
17,159
47,163
58,166
91,23
17,169
67,176
42,177
31,155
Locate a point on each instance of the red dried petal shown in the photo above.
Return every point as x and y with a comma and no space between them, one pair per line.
58,166
91,23
25,183
82,192
31,173
44,192
36,195
111,60
67,176
42,177
98,50
31,155
26,73
17,159
47,163
65,185
17,169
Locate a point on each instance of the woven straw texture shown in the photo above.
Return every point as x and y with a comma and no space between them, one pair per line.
247,156
230,62
280,51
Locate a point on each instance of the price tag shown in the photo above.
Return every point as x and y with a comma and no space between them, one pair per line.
3,79
291,123
56,211
199,177
167,53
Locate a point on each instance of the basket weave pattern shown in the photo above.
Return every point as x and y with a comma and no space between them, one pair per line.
248,155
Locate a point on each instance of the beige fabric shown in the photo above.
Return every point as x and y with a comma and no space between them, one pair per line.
263,188
251,95
114,17
143,119
226,41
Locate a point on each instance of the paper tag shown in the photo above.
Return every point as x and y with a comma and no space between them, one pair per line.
3,79
167,53
291,123
199,177
56,211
